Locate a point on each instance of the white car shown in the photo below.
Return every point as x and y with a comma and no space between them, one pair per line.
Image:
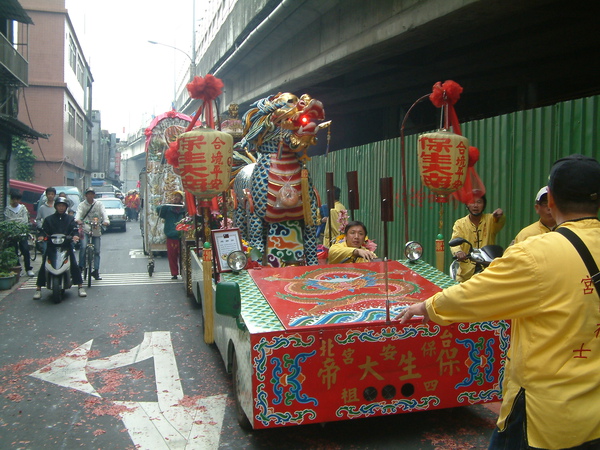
116,212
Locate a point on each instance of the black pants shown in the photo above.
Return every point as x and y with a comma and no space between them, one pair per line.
514,437
23,246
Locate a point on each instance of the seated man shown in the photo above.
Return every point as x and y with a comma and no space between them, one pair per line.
352,249
61,223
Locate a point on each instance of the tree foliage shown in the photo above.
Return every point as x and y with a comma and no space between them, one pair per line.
24,159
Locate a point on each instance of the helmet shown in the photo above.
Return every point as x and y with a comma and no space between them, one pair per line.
61,200
90,189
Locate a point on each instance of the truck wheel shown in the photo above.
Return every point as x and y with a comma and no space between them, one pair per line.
239,412
56,290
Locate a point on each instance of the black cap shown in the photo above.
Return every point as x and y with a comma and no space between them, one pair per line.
575,178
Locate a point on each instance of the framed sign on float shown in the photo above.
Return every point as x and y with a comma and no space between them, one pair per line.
225,241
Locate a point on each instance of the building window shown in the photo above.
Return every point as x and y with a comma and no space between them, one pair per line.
80,73
71,126
79,135
72,54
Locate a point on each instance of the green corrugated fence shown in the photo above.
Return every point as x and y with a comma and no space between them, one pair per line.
516,153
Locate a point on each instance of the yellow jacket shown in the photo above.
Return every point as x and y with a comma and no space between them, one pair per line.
480,236
333,222
341,253
531,230
543,285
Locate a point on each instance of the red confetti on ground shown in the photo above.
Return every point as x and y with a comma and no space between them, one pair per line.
99,432
137,374
101,407
191,401
112,381
15,397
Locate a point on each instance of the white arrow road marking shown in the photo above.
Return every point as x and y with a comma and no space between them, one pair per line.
69,371
165,424
180,427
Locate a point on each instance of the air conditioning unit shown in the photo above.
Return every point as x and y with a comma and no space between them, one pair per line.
98,175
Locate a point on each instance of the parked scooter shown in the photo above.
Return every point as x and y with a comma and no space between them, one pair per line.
58,265
481,257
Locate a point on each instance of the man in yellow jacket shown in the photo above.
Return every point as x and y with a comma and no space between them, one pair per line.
479,229
551,389
332,225
546,222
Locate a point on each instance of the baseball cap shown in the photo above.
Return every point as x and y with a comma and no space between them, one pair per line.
179,192
543,191
575,178
90,189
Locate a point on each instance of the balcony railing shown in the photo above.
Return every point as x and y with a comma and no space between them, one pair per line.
13,67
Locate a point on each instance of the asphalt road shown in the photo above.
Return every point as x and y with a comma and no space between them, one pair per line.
127,368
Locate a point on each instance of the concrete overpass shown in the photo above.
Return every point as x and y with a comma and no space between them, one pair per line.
369,60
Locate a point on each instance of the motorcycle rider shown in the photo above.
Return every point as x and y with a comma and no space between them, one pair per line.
478,228
90,209
61,223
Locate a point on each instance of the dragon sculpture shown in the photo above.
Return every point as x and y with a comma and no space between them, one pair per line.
275,203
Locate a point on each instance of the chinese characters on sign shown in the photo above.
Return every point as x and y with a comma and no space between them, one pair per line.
205,158
443,160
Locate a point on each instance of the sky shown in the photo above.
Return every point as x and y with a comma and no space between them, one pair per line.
133,79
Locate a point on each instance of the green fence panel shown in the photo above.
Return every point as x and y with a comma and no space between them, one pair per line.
516,153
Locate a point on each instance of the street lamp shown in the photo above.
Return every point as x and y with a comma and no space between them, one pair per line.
174,48
192,60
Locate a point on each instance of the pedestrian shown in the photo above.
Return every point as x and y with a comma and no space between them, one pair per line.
47,208
551,388
17,212
88,211
332,223
352,249
479,229
61,223
173,213
135,205
546,222
128,206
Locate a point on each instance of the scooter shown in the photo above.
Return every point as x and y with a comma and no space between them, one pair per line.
58,265
481,257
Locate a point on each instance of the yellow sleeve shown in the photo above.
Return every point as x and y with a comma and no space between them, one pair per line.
499,292
339,253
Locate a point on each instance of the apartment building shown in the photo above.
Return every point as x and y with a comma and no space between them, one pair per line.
59,97
14,24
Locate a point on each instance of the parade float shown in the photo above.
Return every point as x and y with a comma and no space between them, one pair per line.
309,343
158,179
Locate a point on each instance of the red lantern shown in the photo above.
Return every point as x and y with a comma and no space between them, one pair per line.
443,160
205,158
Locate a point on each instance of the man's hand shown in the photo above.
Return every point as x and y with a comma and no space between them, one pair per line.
460,255
76,239
364,253
416,309
497,213
105,224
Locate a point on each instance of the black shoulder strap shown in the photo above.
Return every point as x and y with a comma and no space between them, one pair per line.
585,254
88,211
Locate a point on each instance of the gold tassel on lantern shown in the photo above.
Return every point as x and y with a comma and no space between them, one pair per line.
308,219
208,294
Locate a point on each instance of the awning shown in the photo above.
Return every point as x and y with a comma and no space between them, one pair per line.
10,125
12,10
